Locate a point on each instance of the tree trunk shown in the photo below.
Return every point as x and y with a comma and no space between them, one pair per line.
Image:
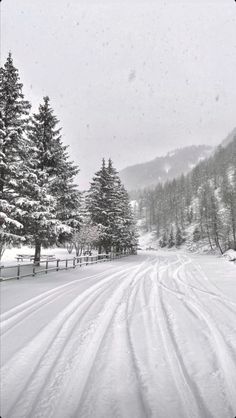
2,249
69,247
37,253
217,241
233,227
208,236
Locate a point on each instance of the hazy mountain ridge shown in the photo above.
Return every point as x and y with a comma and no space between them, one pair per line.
174,163
229,138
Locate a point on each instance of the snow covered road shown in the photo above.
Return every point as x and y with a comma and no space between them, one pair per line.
147,336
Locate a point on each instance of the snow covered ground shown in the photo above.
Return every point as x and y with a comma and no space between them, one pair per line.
151,335
10,255
148,239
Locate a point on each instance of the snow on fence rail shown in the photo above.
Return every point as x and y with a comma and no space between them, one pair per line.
25,270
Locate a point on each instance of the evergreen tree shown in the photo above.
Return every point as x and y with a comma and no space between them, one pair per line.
54,210
14,152
196,234
125,233
109,208
171,241
179,237
163,241
99,203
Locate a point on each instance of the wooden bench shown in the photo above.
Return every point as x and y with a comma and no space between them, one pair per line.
21,257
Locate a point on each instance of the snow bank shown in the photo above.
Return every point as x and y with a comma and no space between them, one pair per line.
230,255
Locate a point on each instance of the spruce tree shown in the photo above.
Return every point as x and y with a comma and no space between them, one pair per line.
179,237
125,232
171,241
99,206
196,234
54,212
163,241
14,152
109,208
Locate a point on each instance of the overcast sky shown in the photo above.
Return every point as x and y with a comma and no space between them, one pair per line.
128,79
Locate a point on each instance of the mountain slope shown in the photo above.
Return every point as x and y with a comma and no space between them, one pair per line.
175,163
229,138
199,207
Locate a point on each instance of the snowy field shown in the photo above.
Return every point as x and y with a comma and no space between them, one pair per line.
152,335
10,255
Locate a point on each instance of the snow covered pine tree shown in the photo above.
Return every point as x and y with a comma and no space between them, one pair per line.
54,214
14,153
109,209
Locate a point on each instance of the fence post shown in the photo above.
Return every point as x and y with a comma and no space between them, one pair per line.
34,273
74,263
66,264
18,271
58,264
46,266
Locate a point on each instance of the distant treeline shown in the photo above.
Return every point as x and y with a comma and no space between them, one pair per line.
205,198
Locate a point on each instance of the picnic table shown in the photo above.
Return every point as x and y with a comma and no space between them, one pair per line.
22,257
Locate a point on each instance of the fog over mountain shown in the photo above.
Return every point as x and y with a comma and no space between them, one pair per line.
174,163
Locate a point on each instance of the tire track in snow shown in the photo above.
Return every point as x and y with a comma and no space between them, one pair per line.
226,312
26,354
18,314
185,387
222,350
224,360
65,356
157,385
44,340
131,300
116,335
83,362
64,342
219,295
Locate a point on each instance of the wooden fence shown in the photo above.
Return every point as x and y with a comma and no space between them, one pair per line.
25,270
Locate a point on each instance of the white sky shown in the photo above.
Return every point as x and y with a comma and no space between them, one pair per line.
128,79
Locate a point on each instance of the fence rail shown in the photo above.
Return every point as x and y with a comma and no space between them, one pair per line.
20,270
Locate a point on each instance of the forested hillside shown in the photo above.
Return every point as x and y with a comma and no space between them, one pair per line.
177,162
200,205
